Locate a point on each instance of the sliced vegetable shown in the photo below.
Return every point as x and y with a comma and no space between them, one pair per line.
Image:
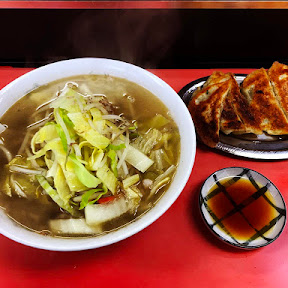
62,136
60,121
67,101
87,195
116,147
73,227
46,133
98,214
114,161
54,195
108,178
96,159
83,174
137,159
61,185
96,139
131,181
106,199
148,141
159,185
158,121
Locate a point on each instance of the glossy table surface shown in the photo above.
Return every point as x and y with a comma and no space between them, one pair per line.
175,251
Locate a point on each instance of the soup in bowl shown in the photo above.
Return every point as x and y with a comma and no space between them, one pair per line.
92,151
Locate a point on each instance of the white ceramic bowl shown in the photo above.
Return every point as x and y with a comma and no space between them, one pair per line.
21,86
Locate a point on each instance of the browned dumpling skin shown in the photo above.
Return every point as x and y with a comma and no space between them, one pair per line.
206,108
278,74
263,104
250,123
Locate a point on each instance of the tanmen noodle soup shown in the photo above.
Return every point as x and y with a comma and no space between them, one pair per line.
85,155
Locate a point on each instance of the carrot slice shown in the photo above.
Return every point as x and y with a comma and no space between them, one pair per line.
106,199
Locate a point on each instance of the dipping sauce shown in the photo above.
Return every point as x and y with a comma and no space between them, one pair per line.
241,209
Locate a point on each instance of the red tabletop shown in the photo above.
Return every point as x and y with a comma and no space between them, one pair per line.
175,251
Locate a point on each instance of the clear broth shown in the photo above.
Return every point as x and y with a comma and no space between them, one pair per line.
35,214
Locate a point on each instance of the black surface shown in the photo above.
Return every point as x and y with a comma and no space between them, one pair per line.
149,38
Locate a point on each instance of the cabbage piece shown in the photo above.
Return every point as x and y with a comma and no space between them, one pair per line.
96,139
130,181
148,141
98,214
83,174
137,159
96,114
87,195
62,136
108,178
114,161
83,128
46,133
95,159
73,227
161,160
54,195
66,164
116,147
133,195
48,162
61,185
98,121
68,101
158,121
79,121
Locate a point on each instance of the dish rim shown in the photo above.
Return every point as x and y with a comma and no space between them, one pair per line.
226,240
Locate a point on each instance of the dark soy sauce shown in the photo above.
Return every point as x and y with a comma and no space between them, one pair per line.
251,215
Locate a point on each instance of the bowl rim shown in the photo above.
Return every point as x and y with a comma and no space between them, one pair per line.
223,239
147,218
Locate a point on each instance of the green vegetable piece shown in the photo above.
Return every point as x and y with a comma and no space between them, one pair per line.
113,156
84,130
86,196
67,100
69,124
62,137
80,123
116,147
54,195
96,114
85,177
108,178
96,139
61,185
46,133
95,159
